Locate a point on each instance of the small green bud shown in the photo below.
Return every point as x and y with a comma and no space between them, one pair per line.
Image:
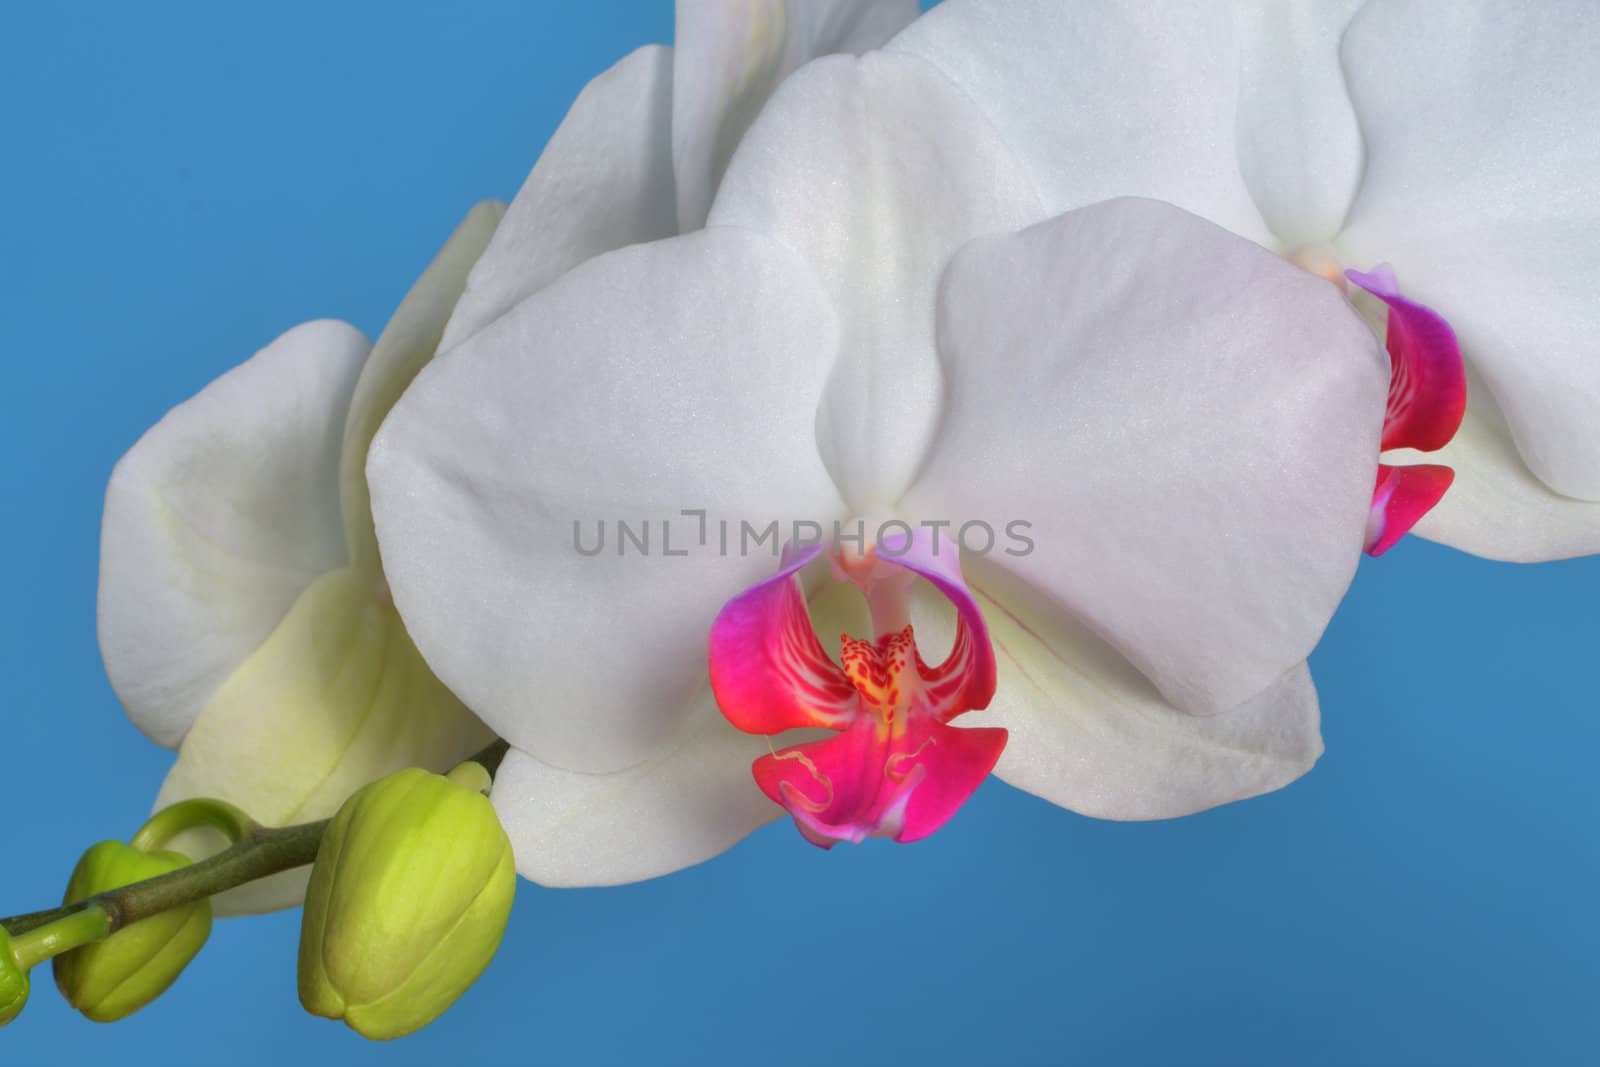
407,903
111,979
13,981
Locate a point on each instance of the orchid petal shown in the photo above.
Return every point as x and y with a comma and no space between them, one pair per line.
731,54
405,345
604,181
679,375
684,805
218,518
1481,187
841,789
1088,359
1496,508
875,170
1427,384
1090,733
768,670
1299,145
336,697
1403,496
970,663
680,807
1104,99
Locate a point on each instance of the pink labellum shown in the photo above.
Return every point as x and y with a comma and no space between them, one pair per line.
856,785
768,670
896,769
1427,400
1403,496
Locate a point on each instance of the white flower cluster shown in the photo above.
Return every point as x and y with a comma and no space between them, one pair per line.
826,261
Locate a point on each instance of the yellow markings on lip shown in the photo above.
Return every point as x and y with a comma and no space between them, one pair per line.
879,672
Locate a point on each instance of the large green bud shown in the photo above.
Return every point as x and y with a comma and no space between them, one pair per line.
111,979
13,981
407,903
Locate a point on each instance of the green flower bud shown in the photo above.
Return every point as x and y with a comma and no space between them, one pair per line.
111,979
408,899
13,981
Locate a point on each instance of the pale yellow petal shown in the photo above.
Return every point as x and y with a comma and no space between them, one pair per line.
336,697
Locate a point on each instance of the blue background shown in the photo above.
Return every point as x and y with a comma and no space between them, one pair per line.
182,182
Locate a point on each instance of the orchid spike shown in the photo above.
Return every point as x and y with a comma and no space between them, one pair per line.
245,615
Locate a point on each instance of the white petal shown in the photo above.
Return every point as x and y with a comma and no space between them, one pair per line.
1104,99
1483,190
1090,733
1095,738
603,182
1189,423
218,518
679,375
1495,507
680,807
731,54
875,170
1299,145
336,697
691,801
405,345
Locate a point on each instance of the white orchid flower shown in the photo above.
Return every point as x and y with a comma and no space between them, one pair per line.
1451,139
882,322
641,151
244,613
244,616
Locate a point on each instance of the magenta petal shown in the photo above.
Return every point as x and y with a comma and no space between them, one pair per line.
948,770
965,681
1428,385
896,768
853,786
1403,496
768,670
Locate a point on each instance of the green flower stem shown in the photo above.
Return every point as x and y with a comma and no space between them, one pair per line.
265,850
60,935
257,851
168,823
